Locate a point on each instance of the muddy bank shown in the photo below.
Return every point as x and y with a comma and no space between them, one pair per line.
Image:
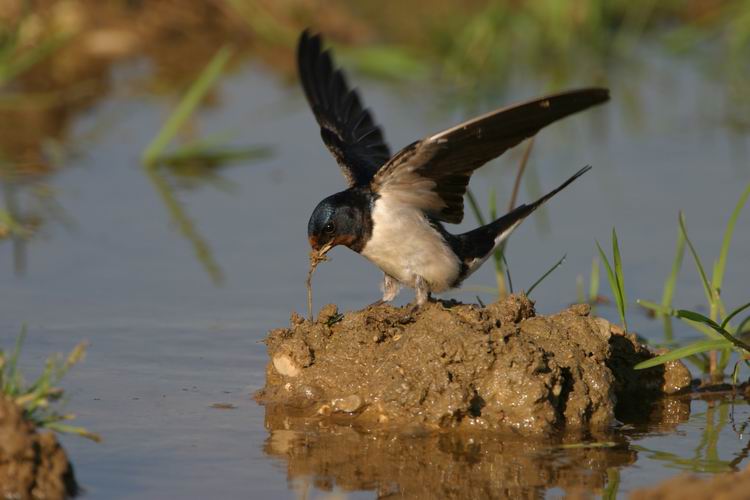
729,486
458,366
33,465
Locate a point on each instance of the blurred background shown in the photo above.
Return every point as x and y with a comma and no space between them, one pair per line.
158,165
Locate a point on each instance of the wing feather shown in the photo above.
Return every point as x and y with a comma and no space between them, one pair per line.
432,174
346,126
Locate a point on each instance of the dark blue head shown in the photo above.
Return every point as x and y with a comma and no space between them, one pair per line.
340,219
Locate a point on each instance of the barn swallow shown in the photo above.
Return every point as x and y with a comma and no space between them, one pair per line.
393,210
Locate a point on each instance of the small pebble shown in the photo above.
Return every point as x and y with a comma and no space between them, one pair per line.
285,366
349,404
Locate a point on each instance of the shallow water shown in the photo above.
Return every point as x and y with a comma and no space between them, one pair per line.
172,334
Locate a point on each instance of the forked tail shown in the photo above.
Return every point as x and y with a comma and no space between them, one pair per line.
479,244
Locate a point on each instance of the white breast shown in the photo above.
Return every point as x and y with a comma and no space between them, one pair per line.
404,245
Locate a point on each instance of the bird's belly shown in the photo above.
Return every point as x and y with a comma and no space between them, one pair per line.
404,245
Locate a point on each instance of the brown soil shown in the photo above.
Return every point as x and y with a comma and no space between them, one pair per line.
730,486
32,465
457,366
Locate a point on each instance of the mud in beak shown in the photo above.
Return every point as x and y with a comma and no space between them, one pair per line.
325,249
320,250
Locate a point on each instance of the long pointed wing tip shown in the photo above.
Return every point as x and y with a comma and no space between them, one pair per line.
599,94
309,42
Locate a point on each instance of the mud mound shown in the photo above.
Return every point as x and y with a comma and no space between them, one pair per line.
32,465
453,365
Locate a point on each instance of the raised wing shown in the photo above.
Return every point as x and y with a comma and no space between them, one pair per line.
432,174
347,128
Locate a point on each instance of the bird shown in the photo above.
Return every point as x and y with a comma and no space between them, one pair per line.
394,209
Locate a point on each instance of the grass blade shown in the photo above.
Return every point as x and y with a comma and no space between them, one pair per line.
618,270
697,317
669,285
683,352
721,263
72,429
549,271
698,264
613,284
12,377
733,314
475,207
656,308
741,328
187,105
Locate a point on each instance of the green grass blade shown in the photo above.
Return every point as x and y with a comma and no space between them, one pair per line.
698,263
733,314
612,278
669,285
613,484
741,328
697,317
618,269
475,207
721,263
194,154
187,227
493,204
657,308
507,273
187,105
12,377
549,271
683,352
72,429
736,373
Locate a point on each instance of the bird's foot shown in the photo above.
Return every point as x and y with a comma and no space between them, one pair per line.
415,308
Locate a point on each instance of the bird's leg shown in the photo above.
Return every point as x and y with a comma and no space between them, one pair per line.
390,289
422,291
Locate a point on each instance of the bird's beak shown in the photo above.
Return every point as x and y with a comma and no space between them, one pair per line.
320,250
325,249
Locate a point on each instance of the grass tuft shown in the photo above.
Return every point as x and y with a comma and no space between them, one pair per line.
615,277
37,400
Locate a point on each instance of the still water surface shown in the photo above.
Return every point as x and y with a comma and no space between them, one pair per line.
171,334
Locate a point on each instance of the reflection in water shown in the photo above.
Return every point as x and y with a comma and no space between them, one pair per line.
24,208
486,465
185,224
190,173
706,457
481,465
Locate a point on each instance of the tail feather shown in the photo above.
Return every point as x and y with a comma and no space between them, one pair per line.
477,245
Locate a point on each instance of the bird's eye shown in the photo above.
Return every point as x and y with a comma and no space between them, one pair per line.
328,228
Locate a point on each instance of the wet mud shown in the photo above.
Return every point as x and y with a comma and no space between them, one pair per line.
728,486
33,465
459,366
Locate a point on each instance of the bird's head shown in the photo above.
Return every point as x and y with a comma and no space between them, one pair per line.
337,220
